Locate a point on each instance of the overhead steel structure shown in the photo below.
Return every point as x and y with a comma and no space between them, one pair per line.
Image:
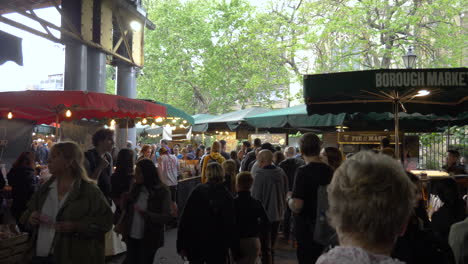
95,33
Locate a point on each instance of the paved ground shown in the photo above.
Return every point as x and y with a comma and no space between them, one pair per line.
286,254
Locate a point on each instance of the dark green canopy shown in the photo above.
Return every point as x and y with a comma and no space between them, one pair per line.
232,119
295,116
377,90
171,111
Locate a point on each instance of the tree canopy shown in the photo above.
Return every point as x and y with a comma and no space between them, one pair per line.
210,56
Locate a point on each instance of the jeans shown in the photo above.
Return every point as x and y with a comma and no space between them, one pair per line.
139,252
287,223
43,260
268,243
215,259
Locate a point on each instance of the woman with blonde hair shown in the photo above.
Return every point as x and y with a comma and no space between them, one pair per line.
68,215
230,168
371,200
206,227
214,156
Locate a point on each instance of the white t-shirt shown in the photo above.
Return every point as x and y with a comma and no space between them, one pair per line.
137,230
169,168
50,209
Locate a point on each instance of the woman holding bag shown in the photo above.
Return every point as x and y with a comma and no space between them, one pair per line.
147,209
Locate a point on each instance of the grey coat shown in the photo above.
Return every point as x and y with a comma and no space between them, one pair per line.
270,187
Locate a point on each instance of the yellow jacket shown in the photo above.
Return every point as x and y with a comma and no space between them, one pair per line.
213,156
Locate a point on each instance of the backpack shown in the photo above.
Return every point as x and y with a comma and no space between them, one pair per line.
323,232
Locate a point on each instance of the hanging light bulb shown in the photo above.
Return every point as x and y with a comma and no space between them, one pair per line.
173,121
217,132
68,113
139,123
159,119
144,121
185,121
10,115
182,126
112,123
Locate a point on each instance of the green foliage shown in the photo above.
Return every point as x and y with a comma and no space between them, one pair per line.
212,56
110,81
205,56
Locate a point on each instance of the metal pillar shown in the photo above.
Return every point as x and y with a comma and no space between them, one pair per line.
96,71
397,129
75,67
126,86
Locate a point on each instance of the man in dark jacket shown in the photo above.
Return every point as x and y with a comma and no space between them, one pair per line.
223,149
98,161
251,156
252,220
289,166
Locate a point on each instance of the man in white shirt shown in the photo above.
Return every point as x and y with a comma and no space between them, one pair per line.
168,166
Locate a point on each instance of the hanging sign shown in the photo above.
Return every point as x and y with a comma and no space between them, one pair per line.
363,138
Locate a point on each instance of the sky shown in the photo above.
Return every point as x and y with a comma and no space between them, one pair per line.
41,57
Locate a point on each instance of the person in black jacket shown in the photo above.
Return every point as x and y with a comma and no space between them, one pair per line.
122,178
98,161
289,166
252,220
207,224
21,179
250,156
453,210
419,244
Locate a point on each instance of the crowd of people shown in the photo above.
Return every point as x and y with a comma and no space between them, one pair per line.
363,209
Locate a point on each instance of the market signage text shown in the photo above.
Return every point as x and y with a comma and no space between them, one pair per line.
420,79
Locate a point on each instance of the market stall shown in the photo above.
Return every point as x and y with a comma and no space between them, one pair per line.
423,91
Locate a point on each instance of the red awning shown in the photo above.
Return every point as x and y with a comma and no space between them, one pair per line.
44,106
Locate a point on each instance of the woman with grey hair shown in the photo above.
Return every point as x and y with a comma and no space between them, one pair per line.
371,199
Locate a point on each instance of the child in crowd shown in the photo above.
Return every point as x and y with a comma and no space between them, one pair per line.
251,220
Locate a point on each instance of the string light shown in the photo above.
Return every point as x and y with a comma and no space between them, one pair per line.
173,121
182,126
184,122
144,121
10,115
159,119
112,123
68,113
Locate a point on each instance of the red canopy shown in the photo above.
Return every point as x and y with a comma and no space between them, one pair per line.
45,106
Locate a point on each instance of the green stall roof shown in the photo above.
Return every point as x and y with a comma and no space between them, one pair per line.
295,116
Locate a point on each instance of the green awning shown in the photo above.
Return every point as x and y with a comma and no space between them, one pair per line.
200,117
176,112
295,116
231,119
171,111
